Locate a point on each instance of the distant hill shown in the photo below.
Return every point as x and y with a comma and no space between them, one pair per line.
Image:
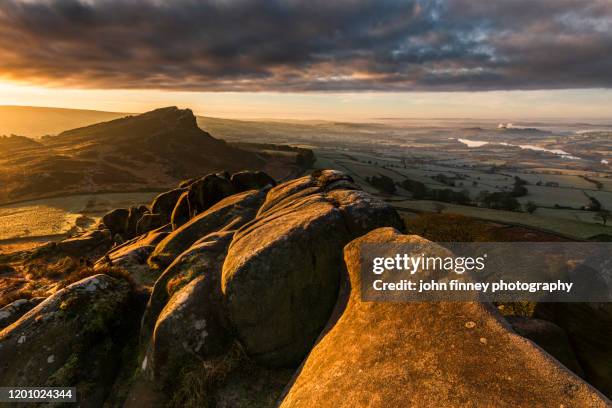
147,151
36,122
17,142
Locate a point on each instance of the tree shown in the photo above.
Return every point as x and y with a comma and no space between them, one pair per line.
594,204
530,207
450,196
603,215
419,190
501,201
383,183
519,189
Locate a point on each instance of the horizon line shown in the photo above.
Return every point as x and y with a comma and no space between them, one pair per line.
374,118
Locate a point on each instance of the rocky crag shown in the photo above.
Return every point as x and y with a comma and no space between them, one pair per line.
233,291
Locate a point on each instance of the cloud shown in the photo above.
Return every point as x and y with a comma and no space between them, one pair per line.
310,45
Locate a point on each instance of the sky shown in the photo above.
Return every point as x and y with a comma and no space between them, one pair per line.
312,59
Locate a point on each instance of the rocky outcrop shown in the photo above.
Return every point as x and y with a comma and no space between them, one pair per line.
185,316
73,337
149,222
209,190
281,275
164,203
589,328
85,243
251,180
230,213
182,211
427,354
178,206
204,258
13,311
133,255
246,284
116,220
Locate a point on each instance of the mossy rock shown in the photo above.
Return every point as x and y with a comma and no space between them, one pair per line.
71,339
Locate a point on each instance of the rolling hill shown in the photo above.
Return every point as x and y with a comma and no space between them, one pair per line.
39,121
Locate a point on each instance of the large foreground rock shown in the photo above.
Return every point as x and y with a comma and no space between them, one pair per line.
427,355
280,278
73,338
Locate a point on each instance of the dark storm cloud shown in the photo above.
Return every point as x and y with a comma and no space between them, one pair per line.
311,45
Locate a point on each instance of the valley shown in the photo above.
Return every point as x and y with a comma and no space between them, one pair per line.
564,167
80,174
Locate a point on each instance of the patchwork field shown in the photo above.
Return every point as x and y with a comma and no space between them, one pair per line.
562,188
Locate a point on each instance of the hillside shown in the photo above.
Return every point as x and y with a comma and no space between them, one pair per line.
148,151
39,121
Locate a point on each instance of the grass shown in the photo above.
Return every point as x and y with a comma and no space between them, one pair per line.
55,217
197,381
44,278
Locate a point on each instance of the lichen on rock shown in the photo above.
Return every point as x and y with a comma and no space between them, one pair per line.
71,338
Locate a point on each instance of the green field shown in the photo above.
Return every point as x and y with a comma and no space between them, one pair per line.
562,226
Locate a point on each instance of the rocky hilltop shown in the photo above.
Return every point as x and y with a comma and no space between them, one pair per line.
232,291
146,152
